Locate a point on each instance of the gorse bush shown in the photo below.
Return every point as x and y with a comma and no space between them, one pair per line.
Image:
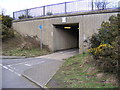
6,32
0,17
7,21
98,50
6,27
105,45
107,33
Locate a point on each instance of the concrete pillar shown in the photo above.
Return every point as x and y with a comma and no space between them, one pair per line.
81,32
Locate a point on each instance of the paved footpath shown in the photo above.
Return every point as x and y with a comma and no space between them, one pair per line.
38,70
42,73
60,55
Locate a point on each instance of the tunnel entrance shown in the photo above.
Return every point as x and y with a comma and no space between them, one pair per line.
66,36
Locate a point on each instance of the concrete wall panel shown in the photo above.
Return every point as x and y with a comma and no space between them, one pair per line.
88,24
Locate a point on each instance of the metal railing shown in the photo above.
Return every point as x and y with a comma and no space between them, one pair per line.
63,8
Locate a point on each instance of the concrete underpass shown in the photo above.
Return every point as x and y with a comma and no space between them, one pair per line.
79,25
66,36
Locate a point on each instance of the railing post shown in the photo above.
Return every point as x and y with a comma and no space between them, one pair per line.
43,10
65,7
92,5
14,15
26,13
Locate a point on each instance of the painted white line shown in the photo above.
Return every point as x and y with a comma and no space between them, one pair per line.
17,74
14,64
5,67
76,51
1,65
28,62
71,52
61,52
35,63
21,63
11,70
8,68
27,65
42,62
11,67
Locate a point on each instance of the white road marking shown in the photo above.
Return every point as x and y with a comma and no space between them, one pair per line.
61,52
5,67
72,52
27,64
9,65
42,61
31,64
11,70
17,74
8,68
12,67
1,65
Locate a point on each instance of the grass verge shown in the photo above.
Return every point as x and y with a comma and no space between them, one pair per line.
33,52
23,46
80,72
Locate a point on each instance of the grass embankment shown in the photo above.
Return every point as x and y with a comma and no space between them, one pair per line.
80,72
33,52
23,46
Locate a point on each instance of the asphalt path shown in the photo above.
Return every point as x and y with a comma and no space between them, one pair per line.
13,68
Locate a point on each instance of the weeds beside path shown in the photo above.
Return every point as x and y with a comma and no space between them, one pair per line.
80,72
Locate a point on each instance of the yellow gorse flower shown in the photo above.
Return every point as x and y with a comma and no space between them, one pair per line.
0,17
99,48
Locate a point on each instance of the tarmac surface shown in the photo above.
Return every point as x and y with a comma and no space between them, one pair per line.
12,70
33,72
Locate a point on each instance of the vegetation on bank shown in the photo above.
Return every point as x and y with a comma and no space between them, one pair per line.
99,68
105,45
23,46
6,29
14,44
81,72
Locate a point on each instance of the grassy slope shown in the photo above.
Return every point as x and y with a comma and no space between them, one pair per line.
14,47
80,73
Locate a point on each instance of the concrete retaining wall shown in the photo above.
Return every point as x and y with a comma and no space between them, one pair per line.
56,39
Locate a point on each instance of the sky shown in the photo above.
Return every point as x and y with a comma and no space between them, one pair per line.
11,6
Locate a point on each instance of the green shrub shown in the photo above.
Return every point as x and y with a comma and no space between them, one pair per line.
105,45
49,13
0,17
6,27
24,17
7,21
6,32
